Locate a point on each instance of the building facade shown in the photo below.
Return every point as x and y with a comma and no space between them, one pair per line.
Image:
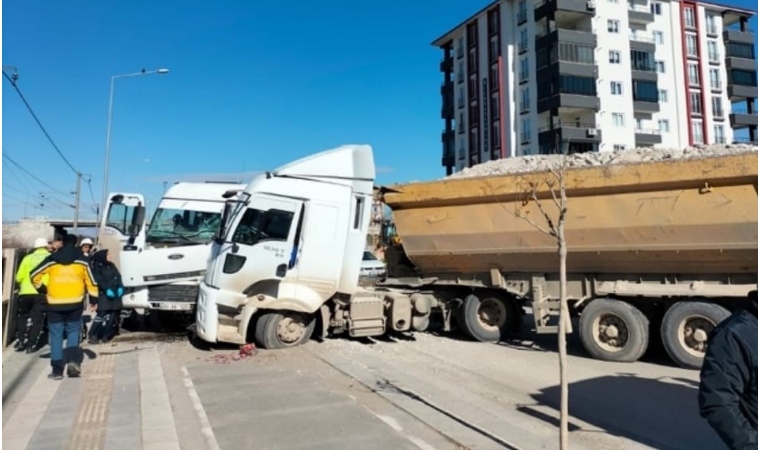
527,77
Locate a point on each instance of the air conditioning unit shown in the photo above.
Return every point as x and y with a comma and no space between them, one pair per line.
590,132
590,5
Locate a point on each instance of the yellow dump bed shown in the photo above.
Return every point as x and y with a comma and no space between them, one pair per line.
691,216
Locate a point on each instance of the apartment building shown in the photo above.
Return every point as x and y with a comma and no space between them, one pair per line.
530,76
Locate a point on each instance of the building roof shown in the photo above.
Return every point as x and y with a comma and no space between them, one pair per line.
446,37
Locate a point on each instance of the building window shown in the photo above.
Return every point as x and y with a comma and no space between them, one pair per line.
572,84
576,53
693,74
740,50
525,134
664,126
495,134
717,106
660,66
616,88
712,51
522,12
523,40
523,70
493,49
525,100
494,77
460,97
643,61
639,124
715,79
659,37
691,45
460,123
712,26
720,135
460,47
618,119
663,95
613,26
614,57
460,73
689,21
743,77
618,147
645,91
696,132
655,8
696,103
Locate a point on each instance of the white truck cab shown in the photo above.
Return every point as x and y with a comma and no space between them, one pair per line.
292,240
161,263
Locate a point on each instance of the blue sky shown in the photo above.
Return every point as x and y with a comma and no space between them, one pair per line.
252,85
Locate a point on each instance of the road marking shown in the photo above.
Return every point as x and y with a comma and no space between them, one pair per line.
206,429
391,422
19,430
91,425
158,428
420,443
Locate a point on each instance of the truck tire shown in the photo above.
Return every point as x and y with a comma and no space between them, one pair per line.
613,330
685,329
281,329
488,320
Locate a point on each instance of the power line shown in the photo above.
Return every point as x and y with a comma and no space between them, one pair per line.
5,155
31,111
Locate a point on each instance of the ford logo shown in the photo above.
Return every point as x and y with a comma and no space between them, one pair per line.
176,256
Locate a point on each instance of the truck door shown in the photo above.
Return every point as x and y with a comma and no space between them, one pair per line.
123,218
260,246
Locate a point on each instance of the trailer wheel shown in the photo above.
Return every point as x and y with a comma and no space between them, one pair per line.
613,330
281,329
685,329
488,320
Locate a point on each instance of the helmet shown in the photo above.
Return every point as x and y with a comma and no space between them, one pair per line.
40,243
86,241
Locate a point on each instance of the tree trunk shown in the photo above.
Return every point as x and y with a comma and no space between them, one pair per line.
564,318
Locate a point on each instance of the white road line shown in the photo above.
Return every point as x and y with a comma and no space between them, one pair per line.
158,428
420,443
19,430
391,422
206,429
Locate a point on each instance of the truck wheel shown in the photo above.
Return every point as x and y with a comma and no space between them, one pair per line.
488,320
281,329
685,329
613,330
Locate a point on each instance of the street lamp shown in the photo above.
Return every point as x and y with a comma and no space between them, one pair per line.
108,133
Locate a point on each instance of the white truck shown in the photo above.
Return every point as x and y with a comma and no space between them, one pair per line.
162,262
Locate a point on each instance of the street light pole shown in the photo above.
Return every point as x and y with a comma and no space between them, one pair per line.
107,157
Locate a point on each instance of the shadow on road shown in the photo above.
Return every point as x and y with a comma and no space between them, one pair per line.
659,412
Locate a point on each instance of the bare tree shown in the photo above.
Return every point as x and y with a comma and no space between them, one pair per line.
552,223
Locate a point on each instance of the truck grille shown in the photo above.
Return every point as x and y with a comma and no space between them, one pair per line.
174,293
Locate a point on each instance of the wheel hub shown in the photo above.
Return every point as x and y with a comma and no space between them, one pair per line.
492,314
611,332
290,330
693,333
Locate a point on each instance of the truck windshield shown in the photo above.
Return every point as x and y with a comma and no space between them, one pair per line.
183,226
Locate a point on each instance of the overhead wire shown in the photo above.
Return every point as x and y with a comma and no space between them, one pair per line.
5,155
47,135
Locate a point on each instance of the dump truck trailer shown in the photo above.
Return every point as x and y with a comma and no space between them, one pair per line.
672,242
667,248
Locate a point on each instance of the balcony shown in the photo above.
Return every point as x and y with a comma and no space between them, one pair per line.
742,117
643,66
448,136
569,131
733,62
738,92
447,110
447,65
639,14
579,34
568,100
736,34
644,107
570,8
647,137
642,42
448,160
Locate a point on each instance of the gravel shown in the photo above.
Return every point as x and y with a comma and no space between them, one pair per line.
539,163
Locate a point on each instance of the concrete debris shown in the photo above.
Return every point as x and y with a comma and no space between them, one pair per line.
540,163
246,351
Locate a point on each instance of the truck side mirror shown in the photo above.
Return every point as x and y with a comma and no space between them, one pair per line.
138,217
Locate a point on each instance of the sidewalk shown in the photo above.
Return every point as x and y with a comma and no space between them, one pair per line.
169,395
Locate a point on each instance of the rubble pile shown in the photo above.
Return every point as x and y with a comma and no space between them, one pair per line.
539,163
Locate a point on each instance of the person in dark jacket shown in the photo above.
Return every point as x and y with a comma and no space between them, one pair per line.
108,303
728,385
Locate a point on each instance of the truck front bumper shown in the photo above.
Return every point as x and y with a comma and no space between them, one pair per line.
207,314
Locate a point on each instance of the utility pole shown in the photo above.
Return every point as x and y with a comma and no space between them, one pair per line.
77,195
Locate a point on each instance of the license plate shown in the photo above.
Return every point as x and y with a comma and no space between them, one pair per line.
171,306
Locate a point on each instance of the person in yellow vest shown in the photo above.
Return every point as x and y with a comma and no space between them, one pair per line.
69,280
31,302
